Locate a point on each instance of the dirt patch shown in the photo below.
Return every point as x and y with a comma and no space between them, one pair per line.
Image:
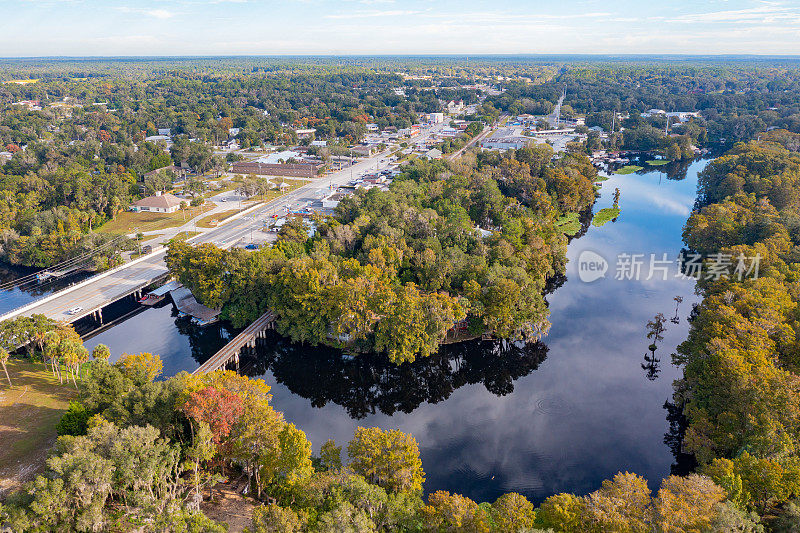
227,505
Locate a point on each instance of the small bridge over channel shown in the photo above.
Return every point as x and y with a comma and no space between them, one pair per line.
230,353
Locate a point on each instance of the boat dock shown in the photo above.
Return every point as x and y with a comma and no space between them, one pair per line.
230,353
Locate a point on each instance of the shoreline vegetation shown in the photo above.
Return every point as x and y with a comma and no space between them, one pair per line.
137,450
468,243
739,391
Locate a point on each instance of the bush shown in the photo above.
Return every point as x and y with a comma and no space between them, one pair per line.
75,421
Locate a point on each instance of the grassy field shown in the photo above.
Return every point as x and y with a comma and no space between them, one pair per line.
219,217
657,162
569,224
29,411
604,215
182,236
629,169
127,222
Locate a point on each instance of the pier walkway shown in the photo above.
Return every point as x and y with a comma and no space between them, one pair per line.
230,353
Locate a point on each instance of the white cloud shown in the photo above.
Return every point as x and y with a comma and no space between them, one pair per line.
766,13
155,13
372,14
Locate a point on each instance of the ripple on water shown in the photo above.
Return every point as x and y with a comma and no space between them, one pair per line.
552,406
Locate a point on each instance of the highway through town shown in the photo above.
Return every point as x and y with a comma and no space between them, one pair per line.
94,293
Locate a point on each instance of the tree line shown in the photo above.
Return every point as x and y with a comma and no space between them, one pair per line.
471,242
140,452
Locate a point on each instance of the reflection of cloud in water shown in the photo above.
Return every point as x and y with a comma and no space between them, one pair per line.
587,411
649,195
573,419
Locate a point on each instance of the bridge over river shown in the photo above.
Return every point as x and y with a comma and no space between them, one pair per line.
99,291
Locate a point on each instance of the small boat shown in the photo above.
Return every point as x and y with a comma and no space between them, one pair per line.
155,296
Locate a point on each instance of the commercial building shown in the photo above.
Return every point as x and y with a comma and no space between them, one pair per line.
297,170
158,203
505,143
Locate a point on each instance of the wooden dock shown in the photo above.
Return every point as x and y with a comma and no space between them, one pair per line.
230,353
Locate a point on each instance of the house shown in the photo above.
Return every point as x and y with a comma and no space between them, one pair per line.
5,157
363,150
233,132
305,132
433,153
157,138
158,203
372,127
319,143
180,171
167,132
455,108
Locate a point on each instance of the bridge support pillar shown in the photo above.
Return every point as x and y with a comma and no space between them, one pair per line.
236,360
100,316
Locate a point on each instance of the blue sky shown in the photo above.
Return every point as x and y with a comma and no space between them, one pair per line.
231,27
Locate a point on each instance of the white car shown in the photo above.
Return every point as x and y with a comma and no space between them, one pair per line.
74,310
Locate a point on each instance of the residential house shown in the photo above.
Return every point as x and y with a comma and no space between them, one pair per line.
158,203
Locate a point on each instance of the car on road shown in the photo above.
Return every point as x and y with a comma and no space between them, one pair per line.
251,246
74,310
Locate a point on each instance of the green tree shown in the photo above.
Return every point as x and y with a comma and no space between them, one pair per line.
389,459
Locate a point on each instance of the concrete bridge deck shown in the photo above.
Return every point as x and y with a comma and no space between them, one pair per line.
98,291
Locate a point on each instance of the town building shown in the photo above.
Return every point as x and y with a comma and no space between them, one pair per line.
363,150
297,170
158,203
433,153
333,199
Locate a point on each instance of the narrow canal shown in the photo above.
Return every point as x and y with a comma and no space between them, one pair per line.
560,415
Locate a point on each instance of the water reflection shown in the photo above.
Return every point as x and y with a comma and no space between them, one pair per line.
367,383
494,417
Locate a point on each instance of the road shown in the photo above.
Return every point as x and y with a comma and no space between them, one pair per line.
554,117
486,131
96,292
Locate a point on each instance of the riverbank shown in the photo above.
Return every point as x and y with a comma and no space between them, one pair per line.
465,403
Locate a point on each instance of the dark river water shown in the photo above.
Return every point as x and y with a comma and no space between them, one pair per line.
491,417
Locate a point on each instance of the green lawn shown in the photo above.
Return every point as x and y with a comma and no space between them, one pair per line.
182,236
569,224
219,217
629,169
657,162
29,412
604,215
128,221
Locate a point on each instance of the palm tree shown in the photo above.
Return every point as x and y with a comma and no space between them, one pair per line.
101,353
52,341
4,355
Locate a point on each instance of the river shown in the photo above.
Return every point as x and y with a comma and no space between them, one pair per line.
491,417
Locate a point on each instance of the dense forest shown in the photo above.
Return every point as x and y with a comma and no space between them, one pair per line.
474,240
740,391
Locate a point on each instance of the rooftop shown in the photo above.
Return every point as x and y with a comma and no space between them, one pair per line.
163,201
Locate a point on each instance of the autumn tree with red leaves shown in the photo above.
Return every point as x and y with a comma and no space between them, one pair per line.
219,408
